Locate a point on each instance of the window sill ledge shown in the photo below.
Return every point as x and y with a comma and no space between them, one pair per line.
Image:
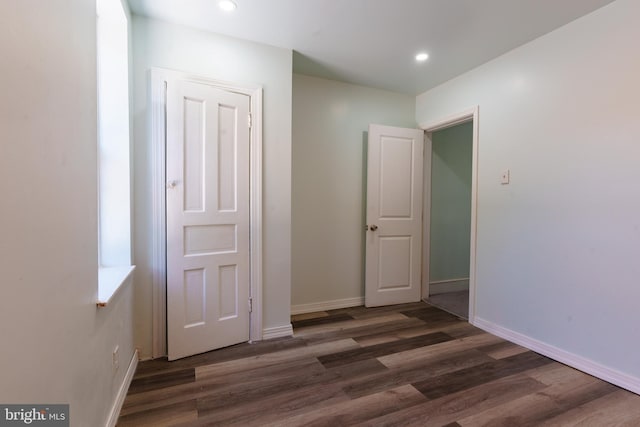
110,280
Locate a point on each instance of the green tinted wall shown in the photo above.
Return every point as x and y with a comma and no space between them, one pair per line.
451,202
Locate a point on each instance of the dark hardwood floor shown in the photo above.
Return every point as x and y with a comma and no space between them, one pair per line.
404,365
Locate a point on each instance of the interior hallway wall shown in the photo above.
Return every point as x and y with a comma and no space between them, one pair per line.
330,121
557,249
450,230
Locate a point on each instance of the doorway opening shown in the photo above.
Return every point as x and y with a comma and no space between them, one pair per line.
161,80
451,151
449,222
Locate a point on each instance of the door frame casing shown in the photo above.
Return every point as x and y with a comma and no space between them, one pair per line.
158,79
470,114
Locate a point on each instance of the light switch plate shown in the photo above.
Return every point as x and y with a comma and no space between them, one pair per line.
505,177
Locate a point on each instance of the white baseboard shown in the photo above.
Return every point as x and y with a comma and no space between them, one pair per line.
605,373
327,305
277,332
114,413
452,285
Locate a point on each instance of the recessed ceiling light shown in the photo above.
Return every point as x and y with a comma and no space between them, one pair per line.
421,57
227,5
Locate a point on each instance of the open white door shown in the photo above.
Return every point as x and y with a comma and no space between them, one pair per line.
394,215
207,218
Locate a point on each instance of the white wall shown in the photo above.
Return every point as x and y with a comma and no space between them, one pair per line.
330,121
557,250
56,345
163,45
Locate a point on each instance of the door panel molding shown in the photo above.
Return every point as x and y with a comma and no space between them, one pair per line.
159,79
394,222
208,289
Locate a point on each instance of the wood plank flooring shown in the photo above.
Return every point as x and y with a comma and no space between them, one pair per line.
404,365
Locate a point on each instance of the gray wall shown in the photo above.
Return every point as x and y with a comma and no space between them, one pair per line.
56,344
330,121
450,204
163,45
557,249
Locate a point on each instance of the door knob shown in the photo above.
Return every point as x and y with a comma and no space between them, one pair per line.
172,184
373,227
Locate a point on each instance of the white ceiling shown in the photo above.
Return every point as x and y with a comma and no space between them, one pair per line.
373,42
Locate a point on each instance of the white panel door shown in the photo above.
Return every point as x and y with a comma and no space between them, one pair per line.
394,215
207,218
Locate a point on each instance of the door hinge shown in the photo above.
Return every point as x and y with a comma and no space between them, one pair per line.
250,305
249,120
